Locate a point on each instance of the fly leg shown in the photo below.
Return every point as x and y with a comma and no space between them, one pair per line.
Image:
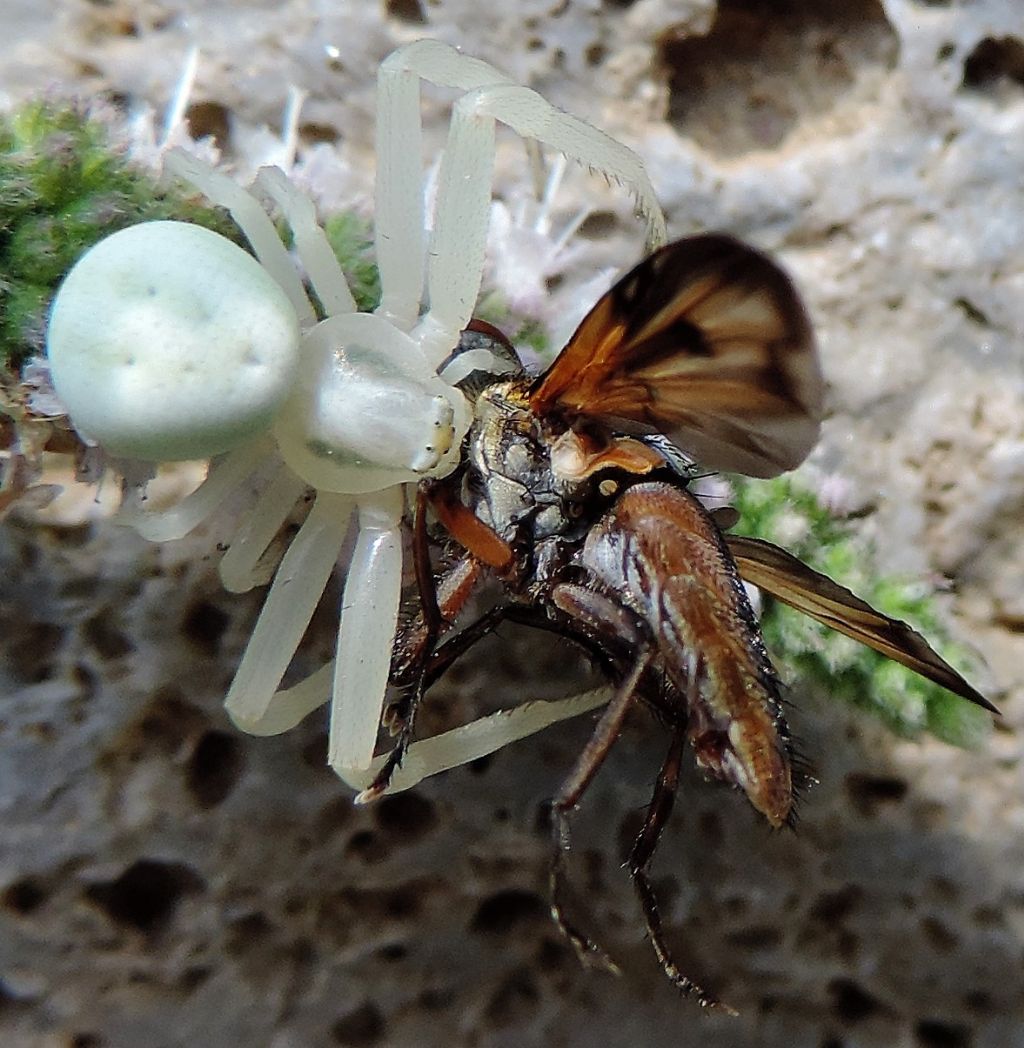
415,646
568,798
484,548
640,858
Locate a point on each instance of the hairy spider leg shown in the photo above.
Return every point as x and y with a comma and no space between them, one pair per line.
458,242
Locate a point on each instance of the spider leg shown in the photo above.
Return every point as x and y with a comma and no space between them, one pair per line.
291,705
452,749
569,796
642,853
265,520
298,586
432,621
311,242
251,219
226,474
496,730
456,256
399,235
369,618
488,734
399,214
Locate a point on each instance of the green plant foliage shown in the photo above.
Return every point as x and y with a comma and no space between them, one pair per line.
63,187
527,334
351,239
782,512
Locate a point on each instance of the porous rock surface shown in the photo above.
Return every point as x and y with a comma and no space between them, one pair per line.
167,881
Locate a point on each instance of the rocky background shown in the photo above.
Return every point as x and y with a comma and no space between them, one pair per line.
166,881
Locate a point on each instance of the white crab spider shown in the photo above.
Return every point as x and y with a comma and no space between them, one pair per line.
369,407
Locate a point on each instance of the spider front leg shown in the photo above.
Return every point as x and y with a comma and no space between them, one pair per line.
464,194
369,619
399,212
414,647
470,742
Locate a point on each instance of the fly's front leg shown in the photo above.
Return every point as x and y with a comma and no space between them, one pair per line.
414,646
401,716
441,605
439,608
414,643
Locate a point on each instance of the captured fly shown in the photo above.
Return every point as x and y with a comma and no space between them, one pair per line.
573,494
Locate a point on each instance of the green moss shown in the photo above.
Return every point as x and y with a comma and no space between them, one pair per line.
63,187
351,239
782,512
527,334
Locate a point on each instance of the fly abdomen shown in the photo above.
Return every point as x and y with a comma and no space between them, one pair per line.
658,549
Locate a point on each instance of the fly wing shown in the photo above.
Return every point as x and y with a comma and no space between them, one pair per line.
790,580
705,340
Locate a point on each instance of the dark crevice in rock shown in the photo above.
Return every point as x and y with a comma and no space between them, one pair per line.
146,894
766,65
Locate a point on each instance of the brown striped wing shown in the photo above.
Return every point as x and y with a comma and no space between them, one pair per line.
706,340
790,580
